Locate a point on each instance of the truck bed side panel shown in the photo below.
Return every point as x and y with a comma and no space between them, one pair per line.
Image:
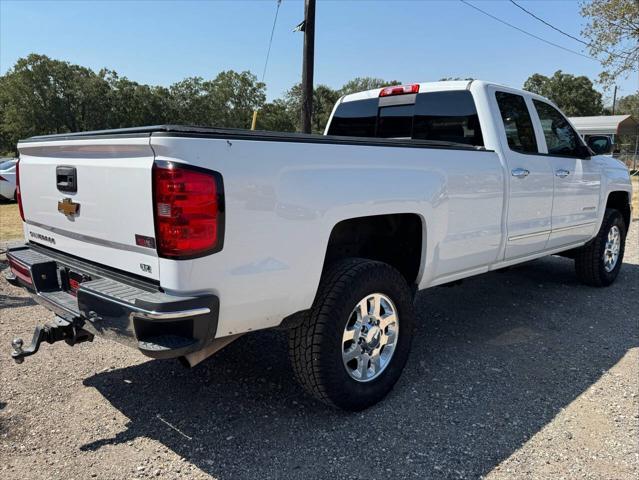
284,198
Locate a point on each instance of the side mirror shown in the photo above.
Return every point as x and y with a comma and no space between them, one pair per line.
600,144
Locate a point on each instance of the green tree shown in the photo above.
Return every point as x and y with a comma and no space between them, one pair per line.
228,100
189,102
40,95
132,104
360,84
324,98
232,97
276,117
575,96
613,35
628,105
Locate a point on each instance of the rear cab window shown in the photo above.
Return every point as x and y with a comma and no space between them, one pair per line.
355,119
395,121
444,116
447,117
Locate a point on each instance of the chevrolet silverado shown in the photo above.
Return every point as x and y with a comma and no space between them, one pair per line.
175,240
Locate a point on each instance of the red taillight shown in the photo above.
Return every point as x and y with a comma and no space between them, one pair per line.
20,271
18,195
399,90
74,285
188,206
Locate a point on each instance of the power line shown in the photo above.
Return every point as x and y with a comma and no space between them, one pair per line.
546,23
270,42
561,31
268,54
525,32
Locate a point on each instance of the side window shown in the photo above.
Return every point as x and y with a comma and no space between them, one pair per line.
519,127
448,117
355,119
561,139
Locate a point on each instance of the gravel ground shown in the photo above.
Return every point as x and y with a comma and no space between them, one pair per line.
516,374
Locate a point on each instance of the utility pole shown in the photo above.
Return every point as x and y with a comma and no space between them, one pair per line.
614,100
307,65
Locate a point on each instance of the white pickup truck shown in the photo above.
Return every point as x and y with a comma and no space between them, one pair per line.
176,240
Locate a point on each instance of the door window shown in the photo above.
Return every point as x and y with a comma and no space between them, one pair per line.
517,122
561,139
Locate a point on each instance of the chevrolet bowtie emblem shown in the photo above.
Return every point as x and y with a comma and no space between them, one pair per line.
68,207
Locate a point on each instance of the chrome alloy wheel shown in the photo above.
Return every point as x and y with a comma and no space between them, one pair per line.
370,337
611,249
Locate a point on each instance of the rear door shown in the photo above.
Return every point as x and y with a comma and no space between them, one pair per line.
577,180
92,197
530,178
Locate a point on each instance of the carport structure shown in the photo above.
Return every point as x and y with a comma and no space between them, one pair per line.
613,125
622,130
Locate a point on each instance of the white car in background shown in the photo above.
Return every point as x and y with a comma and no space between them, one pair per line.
8,178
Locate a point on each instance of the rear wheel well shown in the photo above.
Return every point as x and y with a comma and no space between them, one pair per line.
395,239
620,201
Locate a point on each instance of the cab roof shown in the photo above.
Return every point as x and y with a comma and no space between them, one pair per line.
438,87
423,87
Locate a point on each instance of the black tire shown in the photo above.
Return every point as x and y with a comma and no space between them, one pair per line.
315,346
589,259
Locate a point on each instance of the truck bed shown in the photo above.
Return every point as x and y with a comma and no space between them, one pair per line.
284,193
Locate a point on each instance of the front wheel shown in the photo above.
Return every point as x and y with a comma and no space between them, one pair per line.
598,262
352,346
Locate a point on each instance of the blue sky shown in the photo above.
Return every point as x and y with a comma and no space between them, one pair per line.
160,42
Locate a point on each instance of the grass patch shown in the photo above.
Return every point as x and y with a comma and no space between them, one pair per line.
10,222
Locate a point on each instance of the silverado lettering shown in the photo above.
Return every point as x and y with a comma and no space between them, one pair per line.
42,238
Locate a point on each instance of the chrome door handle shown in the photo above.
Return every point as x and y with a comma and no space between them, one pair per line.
520,172
562,173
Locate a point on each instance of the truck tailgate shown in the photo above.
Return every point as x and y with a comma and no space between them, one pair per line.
91,197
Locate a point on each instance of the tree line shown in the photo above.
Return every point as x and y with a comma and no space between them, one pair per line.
40,95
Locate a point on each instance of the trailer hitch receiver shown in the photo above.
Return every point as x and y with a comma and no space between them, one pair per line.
55,331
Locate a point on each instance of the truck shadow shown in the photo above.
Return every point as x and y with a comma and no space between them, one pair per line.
494,360
10,301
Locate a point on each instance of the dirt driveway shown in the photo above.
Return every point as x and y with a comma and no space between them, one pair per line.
518,374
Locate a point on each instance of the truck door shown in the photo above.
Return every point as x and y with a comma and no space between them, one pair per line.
577,179
530,179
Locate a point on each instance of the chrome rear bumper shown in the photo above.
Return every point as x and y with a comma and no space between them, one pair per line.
130,312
